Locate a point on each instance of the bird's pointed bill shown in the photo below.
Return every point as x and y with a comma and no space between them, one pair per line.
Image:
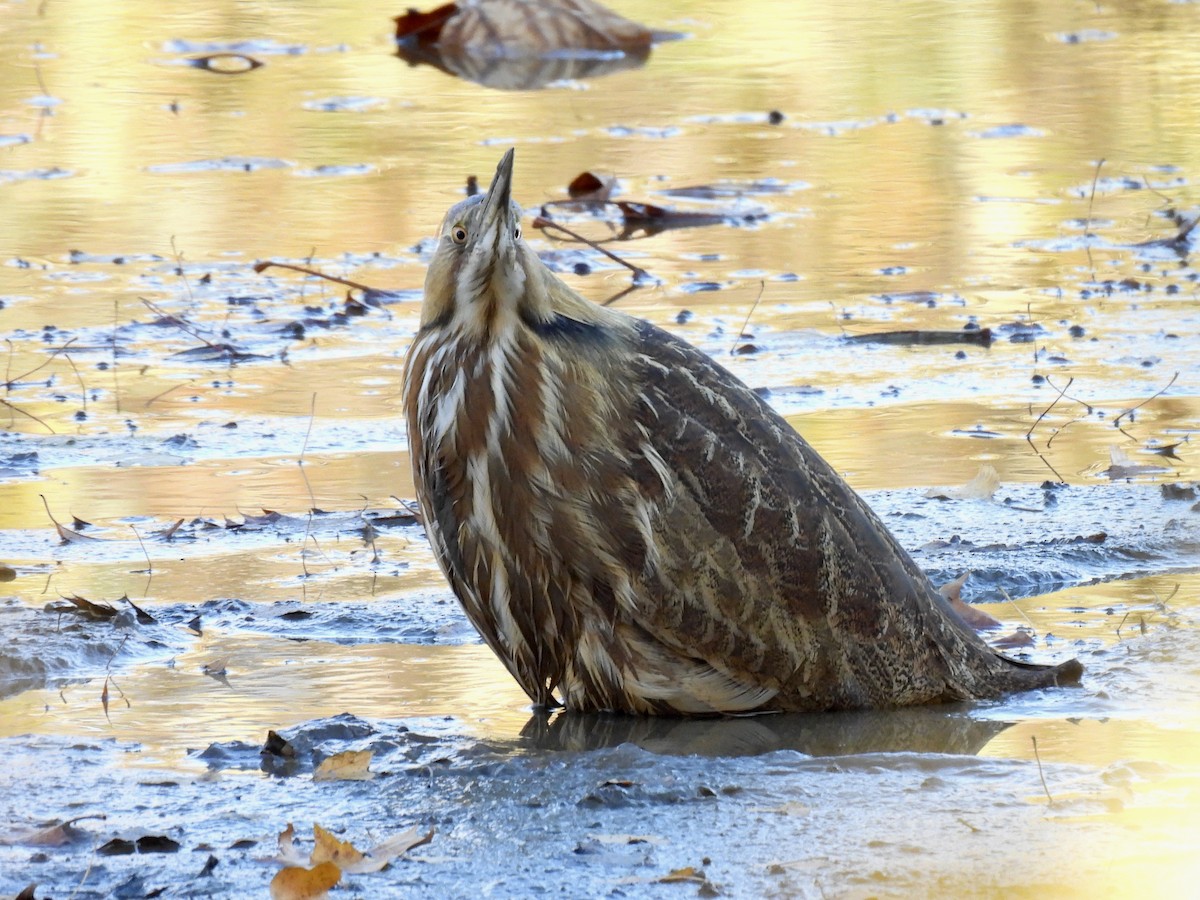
498,202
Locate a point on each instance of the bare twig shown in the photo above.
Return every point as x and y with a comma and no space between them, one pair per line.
1153,396
1041,774
1038,421
162,394
149,565
762,286
178,322
316,273
1087,228
544,223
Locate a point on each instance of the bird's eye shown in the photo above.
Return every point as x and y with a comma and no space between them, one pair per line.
458,234
517,233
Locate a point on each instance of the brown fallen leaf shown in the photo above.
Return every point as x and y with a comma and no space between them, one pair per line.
89,608
349,765
500,29
591,187
57,835
330,849
167,533
1121,466
277,745
971,615
299,883
688,874
1014,641
65,534
983,337
7,573
524,44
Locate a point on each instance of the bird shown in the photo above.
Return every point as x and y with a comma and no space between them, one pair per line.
632,529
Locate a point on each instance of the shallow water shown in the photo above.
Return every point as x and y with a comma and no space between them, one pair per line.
937,167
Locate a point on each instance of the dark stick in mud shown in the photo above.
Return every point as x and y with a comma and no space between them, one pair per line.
762,286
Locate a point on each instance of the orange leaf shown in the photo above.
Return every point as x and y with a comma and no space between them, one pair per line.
295,883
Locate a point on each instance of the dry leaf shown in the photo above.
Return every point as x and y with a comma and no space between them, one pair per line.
524,44
503,29
688,874
981,487
297,883
7,573
343,854
1014,641
591,187
971,615
399,844
349,765
92,610
288,854
1121,466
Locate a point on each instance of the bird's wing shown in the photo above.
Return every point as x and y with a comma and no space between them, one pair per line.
766,565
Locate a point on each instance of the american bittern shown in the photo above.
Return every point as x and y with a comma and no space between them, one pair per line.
633,529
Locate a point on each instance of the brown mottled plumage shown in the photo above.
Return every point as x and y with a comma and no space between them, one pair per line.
631,528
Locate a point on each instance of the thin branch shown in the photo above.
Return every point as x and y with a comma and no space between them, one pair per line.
1147,400
1041,774
305,270
544,223
1038,421
762,286
1087,228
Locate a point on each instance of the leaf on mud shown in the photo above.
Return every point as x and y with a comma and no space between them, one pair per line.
157,843
503,29
116,847
983,337
328,849
300,883
349,765
343,854
277,745
1121,466
289,855
57,835
7,573
66,534
982,487
689,874
143,617
589,186
89,608
167,533
399,844
1014,641
971,615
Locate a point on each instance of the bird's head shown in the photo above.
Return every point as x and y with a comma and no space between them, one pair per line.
484,279
480,270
